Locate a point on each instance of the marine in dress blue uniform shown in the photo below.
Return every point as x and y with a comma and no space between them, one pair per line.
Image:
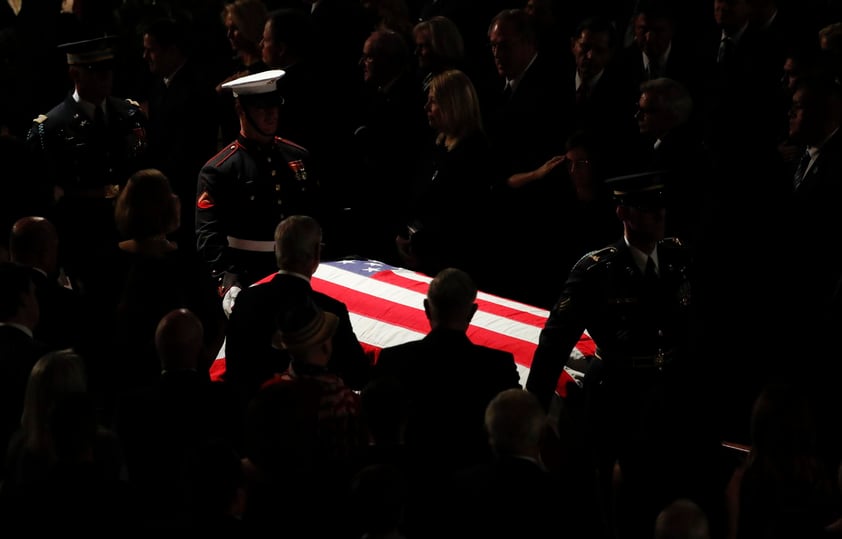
88,145
249,187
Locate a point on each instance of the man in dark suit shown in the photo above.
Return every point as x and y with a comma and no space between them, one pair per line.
251,355
490,499
88,145
390,141
448,382
315,113
34,243
604,99
527,115
635,299
18,350
340,29
659,48
814,123
183,124
670,139
288,45
815,118
450,402
740,66
161,425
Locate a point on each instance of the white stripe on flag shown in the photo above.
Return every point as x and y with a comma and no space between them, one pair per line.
381,334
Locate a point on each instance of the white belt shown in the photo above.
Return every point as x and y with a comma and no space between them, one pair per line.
251,245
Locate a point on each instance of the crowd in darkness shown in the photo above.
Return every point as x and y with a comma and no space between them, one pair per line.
527,108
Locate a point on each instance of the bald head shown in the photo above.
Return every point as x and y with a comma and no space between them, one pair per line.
682,519
179,340
34,242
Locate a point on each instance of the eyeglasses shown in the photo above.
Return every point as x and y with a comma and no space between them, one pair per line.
502,46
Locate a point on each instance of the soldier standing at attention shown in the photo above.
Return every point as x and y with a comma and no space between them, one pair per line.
635,300
88,145
249,187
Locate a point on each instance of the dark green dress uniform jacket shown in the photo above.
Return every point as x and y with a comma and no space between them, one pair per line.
633,326
86,165
78,157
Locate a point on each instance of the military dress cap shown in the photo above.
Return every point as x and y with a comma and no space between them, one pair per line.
258,87
97,53
643,189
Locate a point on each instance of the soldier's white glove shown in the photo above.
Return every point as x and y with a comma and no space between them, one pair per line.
229,298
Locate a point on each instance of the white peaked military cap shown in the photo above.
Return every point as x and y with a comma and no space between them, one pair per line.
264,82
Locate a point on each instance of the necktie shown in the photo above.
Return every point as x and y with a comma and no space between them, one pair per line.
726,47
99,122
798,177
651,275
654,68
507,91
582,93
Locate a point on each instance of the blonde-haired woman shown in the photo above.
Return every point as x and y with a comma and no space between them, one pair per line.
447,218
54,376
453,109
62,465
35,449
244,21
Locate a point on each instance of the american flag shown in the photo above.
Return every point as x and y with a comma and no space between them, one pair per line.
386,304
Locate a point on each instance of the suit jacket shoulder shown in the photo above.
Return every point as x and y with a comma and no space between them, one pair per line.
494,354
444,349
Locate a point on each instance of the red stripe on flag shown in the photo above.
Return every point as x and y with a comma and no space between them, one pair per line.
217,369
